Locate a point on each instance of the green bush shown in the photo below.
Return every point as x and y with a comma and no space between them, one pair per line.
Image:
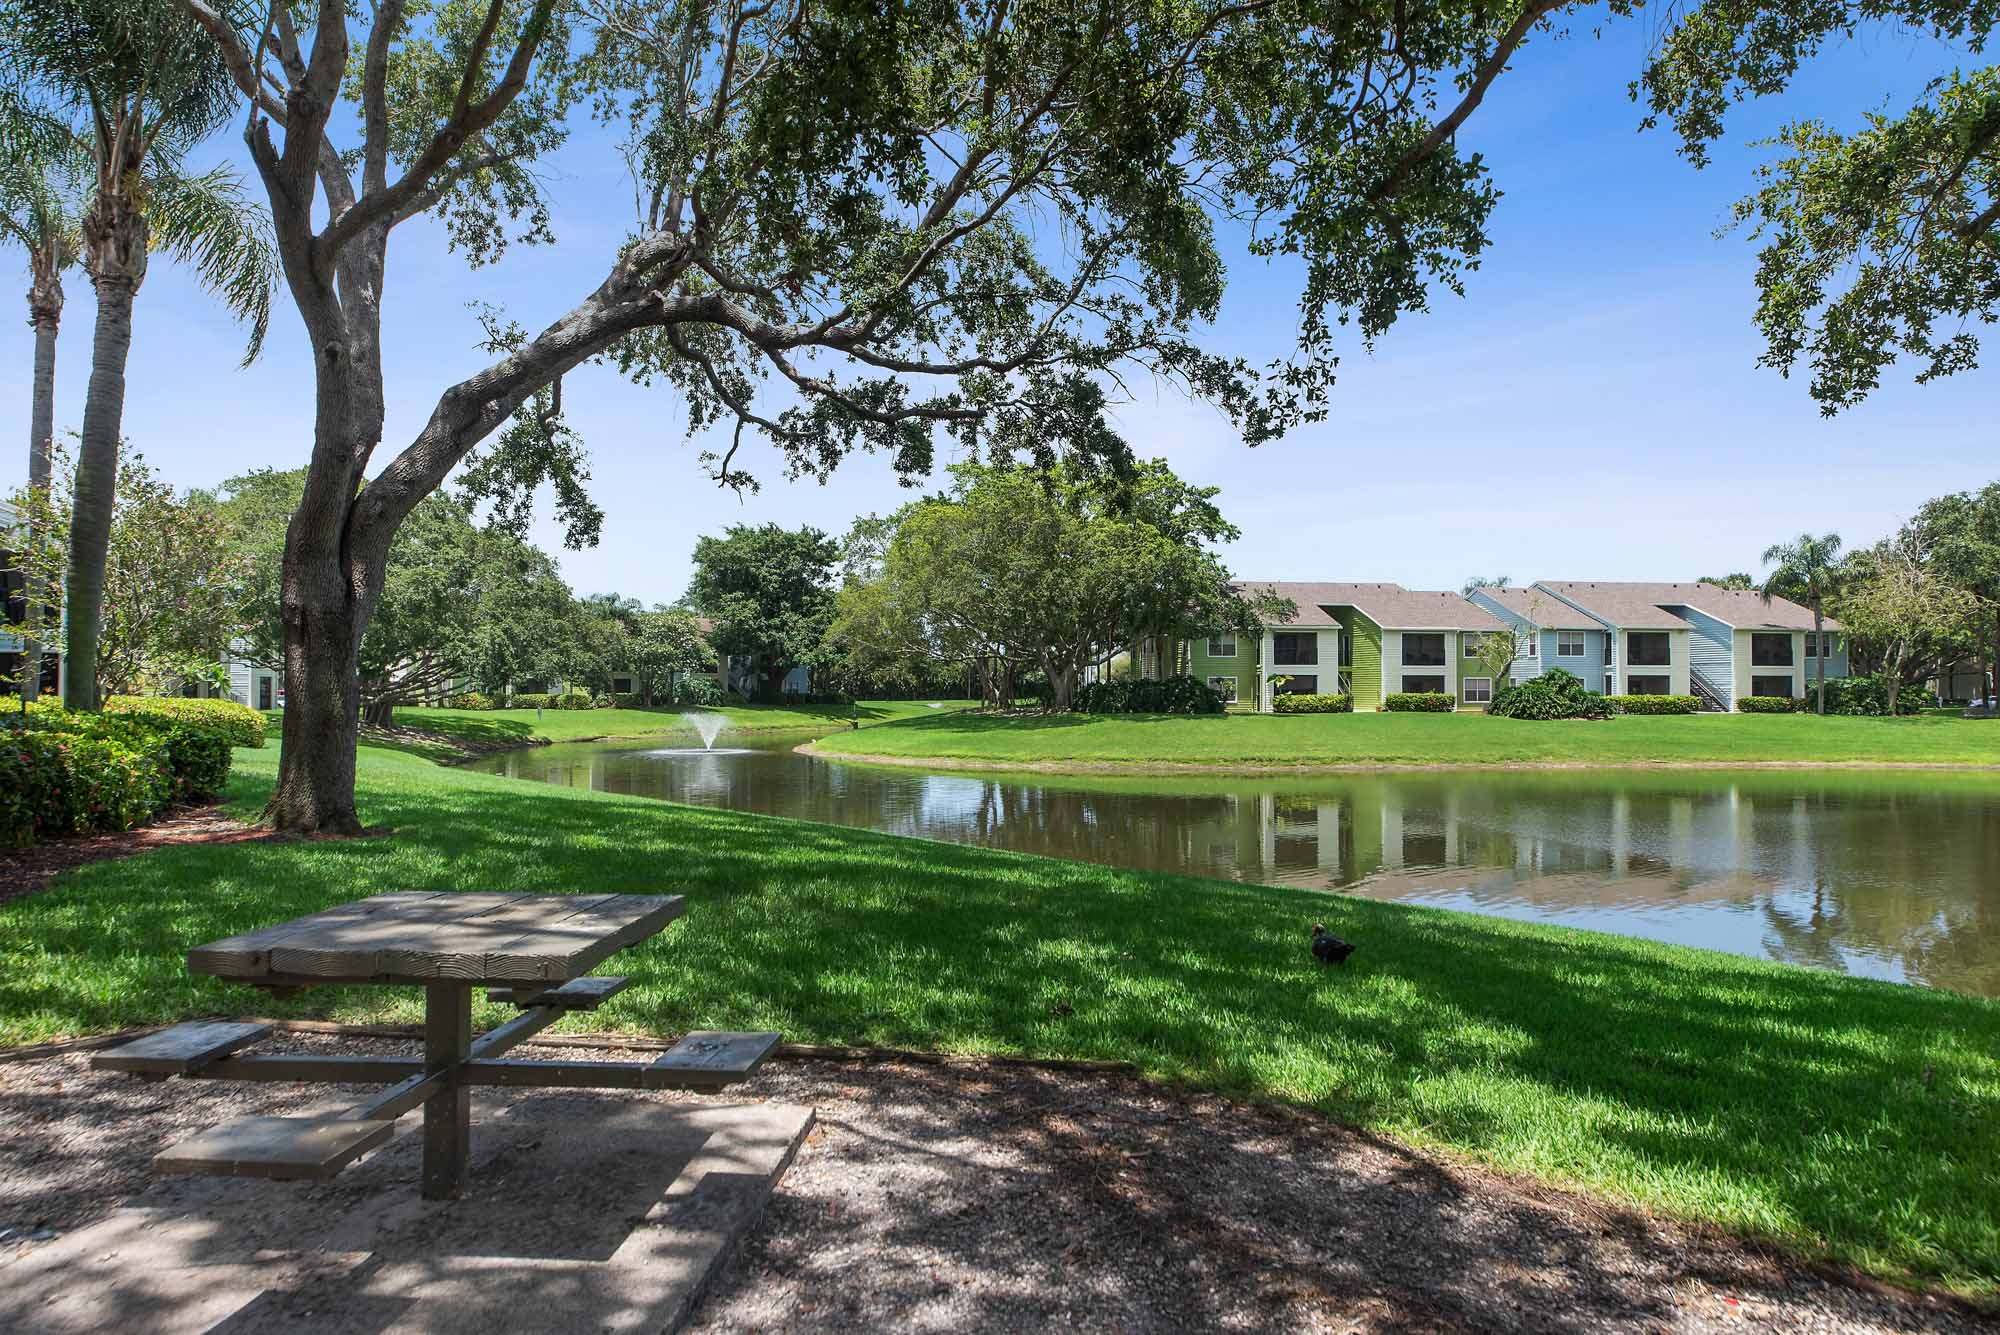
1312,704
529,700
1555,694
573,700
77,774
1865,696
1767,704
470,700
704,691
1417,702
240,724
1171,695
1654,704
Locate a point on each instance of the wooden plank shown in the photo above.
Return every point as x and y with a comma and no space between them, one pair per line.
460,948
583,940
578,994
275,1147
556,1075
247,955
313,1066
709,1059
382,945
182,1049
523,1026
448,1113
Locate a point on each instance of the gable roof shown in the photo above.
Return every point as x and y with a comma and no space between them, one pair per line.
1739,608
1539,609
1390,606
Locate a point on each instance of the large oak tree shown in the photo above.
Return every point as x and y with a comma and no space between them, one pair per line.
913,217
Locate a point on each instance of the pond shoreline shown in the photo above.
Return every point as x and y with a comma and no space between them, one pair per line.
1275,768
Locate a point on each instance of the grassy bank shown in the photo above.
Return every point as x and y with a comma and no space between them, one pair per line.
1426,739
576,725
1852,1119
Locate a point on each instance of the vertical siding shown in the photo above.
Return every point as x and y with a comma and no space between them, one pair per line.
1366,674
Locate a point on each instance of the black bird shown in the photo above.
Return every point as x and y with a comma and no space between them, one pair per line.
1328,948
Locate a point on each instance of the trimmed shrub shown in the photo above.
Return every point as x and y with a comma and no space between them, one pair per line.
1767,704
55,778
470,700
1555,694
529,700
1654,704
1312,704
1417,702
628,700
1172,695
1864,696
240,724
572,700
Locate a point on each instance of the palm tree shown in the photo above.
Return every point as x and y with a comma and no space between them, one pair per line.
42,170
145,84
1806,565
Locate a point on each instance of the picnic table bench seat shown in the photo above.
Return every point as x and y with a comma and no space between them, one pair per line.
285,1148
181,1049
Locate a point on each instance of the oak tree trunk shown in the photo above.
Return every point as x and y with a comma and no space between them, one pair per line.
45,316
323,627
96,488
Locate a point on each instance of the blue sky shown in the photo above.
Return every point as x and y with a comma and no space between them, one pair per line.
1590,409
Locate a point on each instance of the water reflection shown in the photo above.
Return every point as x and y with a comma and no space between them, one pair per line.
1888,875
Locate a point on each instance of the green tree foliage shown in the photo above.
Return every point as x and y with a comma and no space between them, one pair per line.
1740,581
1962,531
916,221
1807,570
171,579
459,601
1052,570
1877,239
1900,604
769,593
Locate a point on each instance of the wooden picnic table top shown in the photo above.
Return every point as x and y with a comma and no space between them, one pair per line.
445,937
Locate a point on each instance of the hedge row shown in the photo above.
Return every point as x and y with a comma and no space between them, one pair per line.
1654,704
1312,704
242,725
1766,704
74,773
1418,702
1174,695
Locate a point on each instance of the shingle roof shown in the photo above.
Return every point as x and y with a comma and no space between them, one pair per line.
1740,608
1541,609
1390,606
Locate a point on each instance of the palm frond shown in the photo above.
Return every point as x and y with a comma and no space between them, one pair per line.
206,221
44,171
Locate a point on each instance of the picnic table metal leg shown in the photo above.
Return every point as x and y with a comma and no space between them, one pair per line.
448,1113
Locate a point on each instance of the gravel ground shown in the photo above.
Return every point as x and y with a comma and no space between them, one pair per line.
975,1197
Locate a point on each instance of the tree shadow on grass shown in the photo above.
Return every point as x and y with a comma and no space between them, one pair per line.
1860,1118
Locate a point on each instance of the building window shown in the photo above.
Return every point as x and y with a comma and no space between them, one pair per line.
1771,650
1569,644
1477,690
1224,687
1291,649
1527,644
1610,685
1306,685
263,692
1222,646
1778,686
1346,643
1648,685
1648,648
1425,650
621,686
1423,685
1820,645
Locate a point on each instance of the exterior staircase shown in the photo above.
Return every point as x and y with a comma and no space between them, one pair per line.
1713,701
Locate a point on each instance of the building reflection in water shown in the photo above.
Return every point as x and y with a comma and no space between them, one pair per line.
1890,875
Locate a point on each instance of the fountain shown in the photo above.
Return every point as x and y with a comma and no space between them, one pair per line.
710,727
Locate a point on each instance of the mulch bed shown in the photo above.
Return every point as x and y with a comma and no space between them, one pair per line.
26,870
977,1196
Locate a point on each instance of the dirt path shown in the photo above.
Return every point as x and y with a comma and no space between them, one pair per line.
974,1197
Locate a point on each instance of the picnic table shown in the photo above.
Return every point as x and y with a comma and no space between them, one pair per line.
534,950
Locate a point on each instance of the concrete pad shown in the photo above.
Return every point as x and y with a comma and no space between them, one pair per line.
585,1212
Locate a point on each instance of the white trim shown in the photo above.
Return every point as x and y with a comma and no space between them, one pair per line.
1465,690
1582,644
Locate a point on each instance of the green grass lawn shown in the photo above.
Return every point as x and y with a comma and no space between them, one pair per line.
1852,1119
575,725
1425,739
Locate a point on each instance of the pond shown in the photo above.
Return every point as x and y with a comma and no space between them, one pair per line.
1885,874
